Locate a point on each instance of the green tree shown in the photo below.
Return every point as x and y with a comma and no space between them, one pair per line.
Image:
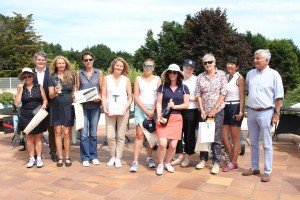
18,42
165,50
209,32
286,61
256,42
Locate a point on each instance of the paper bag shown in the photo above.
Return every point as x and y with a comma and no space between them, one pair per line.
41,114
115,106
79,116
206,131
74,133
151,137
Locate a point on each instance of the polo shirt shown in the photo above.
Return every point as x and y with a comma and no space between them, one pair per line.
177,96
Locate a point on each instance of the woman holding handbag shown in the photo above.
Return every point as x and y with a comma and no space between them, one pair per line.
116,101
173,97
211,91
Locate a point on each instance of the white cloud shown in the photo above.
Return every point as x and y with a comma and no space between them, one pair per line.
122,24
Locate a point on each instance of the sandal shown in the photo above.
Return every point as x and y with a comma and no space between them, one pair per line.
69,163
185,163
60,162
177,161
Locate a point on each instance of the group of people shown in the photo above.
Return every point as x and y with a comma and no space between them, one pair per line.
189,99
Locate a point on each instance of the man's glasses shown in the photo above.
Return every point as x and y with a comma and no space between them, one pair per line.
208,62
86,60
24,77
172,72
149,66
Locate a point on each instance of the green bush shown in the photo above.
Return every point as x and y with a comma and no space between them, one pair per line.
292,97
6,98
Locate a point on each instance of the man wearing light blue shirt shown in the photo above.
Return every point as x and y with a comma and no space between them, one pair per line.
265,95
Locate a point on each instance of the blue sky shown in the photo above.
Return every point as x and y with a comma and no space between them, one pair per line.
122,24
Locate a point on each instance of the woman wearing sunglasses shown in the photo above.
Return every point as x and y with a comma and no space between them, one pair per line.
211,91
32,96
145,97
61,109
89,77
174,95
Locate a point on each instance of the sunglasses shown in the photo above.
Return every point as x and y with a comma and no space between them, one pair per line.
208,62
24,77
149,66
172,72
86,60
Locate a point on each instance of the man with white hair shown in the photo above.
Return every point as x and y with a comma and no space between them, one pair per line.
265,95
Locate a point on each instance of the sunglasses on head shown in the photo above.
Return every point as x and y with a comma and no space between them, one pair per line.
24,77
208,62
172,72
86,60
149,66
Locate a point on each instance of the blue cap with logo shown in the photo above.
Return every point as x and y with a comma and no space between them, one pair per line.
189,62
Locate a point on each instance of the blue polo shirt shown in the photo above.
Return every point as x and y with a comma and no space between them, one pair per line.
177,96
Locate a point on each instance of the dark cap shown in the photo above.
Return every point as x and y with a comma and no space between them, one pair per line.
189,62
149,125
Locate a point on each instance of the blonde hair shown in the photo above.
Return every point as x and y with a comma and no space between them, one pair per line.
68,72
126,69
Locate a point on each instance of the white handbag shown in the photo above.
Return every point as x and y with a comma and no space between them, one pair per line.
206,131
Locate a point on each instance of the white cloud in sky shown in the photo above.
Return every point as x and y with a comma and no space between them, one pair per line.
123,24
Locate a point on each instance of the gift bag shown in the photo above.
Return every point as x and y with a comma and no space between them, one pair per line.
206,131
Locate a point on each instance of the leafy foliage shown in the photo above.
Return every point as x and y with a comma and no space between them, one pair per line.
292,97
209,32
6,98
18,42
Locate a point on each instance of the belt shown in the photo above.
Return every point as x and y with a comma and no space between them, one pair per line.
260,109
232,102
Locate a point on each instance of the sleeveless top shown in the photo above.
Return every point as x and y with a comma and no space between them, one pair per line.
86,83
191,84
233,93
148,93
119,90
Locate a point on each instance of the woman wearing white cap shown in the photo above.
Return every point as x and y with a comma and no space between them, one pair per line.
174,95
32,96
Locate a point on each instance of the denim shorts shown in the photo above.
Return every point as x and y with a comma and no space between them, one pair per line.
230,111
139,114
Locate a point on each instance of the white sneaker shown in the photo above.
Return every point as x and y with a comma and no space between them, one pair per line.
160,169
39,162
95,162
134,166
111,162
118,163
85,163
30,162
169,167
201,164
215,169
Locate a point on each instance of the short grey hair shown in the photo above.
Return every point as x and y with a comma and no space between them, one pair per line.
209,55
40,53
265,53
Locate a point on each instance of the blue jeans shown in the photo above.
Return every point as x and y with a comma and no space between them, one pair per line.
88,135
259,126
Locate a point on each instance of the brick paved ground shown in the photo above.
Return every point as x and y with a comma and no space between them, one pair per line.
103,182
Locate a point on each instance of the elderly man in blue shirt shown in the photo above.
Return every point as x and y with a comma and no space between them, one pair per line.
265,95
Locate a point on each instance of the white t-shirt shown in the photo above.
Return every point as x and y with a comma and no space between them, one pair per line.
191,84
148,93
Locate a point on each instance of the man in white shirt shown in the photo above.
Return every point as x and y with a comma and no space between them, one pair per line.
42,75
265,95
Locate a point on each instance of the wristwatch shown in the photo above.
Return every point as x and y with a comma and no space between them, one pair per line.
277,112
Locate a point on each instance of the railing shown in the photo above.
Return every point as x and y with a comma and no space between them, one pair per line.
9,84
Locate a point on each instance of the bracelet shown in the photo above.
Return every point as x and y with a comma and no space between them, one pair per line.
241,113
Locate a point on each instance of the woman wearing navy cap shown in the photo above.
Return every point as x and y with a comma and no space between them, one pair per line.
172,88
190,117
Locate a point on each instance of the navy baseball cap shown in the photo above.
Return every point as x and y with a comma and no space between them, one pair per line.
149,125
189,62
